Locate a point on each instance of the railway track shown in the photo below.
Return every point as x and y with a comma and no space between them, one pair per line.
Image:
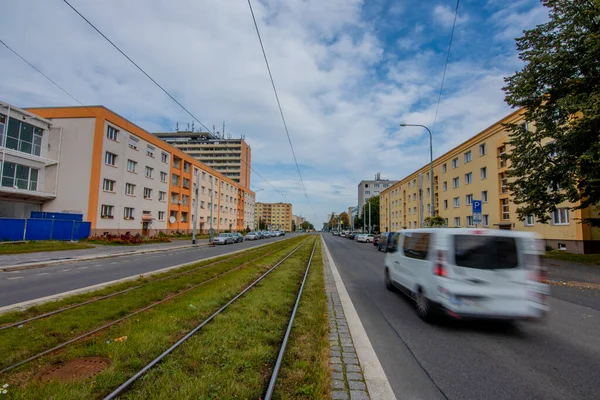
132,314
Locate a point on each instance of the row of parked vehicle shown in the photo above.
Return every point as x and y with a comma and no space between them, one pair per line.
357,236
263,234
230,238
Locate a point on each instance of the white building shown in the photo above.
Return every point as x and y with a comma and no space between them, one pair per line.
368,189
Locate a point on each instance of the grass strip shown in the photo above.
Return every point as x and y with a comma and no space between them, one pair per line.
34,247
16,316
233,357
49,332
589,259
148,334
304,373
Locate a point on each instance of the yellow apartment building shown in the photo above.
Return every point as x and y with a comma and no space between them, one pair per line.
277,216
476,170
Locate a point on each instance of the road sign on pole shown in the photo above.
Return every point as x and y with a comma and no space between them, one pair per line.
476,204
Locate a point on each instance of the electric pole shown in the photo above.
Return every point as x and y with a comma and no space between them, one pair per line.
210,232
195,215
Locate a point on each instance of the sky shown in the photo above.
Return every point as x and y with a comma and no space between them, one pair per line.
347,72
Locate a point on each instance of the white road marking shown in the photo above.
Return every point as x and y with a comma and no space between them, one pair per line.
15,277
65,270
14,272
375,378
44,273
114,262
82,267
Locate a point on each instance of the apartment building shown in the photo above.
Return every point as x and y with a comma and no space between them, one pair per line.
298,220
30,151
477,170
231,157
370,188
277,216
124,179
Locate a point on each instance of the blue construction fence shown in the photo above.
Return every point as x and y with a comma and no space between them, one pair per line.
45,226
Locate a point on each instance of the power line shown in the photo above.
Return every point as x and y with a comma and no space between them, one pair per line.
445,65
162,88
277,98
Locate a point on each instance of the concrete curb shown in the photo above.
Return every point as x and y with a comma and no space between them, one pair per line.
55,297
42,264
377,382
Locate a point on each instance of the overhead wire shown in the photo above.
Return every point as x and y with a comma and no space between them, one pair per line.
445,66
278,101
165,91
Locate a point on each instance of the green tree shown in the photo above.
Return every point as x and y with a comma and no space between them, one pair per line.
559,87
262,225
345,220
306,225
373,203
434,222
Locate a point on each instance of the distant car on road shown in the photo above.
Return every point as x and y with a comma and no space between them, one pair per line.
223,238
366,238
252,236
237,237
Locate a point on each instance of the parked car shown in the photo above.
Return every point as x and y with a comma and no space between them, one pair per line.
368,238
358,235
237,237
361,238
252,236
389,244
223,238
470,273
352,235
335,233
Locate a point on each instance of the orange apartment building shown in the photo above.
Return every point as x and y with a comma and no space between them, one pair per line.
124,179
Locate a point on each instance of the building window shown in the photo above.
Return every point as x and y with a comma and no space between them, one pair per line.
468,156
161,215
377,186
469,199
133,142
367,192
483,173
204,175
131,166
186,166
444,168
148,193
108,185
409,225
184,199
501,156
486,220
110,159
503,182
560,216
457,222
173,214
149,172
186,183
112,133
414,197
150,151
456,202
482,150
427,176
162,196
128,213
529,220
107,211
19,176
174,198
456,182
22,137
130,189
455,163
176,162
163,176
445,204
445,186
428,191
184,216
175,179
484,196
202,204
505,209
164,157
469,220
409,211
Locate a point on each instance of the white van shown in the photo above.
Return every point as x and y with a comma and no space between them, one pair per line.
469,273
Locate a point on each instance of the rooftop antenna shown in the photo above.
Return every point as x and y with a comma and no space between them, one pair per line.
177,127
188,127
213,129
223,128
192,126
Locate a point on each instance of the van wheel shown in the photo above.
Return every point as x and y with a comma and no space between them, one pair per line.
388,281
424,307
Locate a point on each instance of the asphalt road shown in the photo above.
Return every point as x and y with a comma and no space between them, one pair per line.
557,359
19,286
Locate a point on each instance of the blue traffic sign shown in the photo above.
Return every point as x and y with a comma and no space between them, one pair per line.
476,206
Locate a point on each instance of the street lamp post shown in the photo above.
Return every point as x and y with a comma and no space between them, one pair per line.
255,192
430,165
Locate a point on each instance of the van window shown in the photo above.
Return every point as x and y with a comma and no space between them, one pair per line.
416,245
485,252
394,239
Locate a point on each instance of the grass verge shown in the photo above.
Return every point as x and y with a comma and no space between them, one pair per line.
34,247
304,373
590,259
148,334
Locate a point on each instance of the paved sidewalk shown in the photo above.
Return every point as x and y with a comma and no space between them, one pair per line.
98,251
347,380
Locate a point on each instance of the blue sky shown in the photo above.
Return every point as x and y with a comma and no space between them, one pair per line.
348,73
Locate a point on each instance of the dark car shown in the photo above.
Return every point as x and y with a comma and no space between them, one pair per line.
389,244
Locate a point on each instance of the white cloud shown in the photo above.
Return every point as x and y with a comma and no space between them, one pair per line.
445,15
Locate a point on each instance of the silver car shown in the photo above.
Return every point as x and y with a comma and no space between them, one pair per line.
223,238
252,236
